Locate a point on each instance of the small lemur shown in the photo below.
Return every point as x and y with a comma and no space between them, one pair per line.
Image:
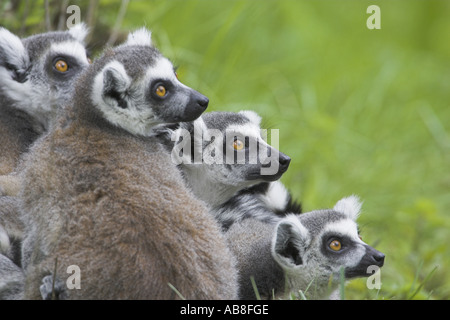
301,252
37,75
87,200
205,144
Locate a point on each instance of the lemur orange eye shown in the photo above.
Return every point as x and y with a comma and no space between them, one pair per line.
238,144
61,65
160,91
335,245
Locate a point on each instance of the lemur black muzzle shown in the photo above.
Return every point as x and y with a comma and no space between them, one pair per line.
372,257
196,106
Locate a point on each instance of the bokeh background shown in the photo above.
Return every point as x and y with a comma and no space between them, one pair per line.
360,111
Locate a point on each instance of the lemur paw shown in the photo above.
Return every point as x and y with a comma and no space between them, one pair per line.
50,292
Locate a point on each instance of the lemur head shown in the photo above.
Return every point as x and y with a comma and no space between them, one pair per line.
133,86
37,73
312,247
224,152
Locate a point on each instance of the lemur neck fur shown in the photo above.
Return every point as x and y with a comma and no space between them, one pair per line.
211,191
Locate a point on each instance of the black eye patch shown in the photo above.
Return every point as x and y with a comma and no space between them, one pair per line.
168,87
72,66
346,243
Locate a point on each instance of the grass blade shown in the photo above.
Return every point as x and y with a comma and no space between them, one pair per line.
342,283
176,291
255,288
423,283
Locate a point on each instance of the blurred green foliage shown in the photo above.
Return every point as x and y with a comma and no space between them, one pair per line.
359,111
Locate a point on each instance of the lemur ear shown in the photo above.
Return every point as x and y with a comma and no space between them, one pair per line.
111,84
13,56
140,37
79,32
289,241
115,79
350,206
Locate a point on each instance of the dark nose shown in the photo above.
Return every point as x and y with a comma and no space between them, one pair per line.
201,100
284,161
379,258
197,104
375,257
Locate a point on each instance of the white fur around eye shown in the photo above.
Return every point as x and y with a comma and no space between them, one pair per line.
247,130
344,227
70,48
162,69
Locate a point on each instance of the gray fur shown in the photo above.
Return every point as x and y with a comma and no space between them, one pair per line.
88,201
250,242
11,228
11,279
266,202
11,235
293,255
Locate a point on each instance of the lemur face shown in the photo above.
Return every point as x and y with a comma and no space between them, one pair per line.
248,156
172,101
229,148
318,243
38,72
137,88
57,59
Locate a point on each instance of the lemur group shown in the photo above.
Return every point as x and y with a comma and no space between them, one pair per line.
93,205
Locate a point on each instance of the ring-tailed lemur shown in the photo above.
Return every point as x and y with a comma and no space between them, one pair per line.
102,193
301,252
232,190
37,75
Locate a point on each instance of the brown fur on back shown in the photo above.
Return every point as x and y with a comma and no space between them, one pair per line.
114,205
16,135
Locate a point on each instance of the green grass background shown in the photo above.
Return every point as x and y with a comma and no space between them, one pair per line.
360,111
